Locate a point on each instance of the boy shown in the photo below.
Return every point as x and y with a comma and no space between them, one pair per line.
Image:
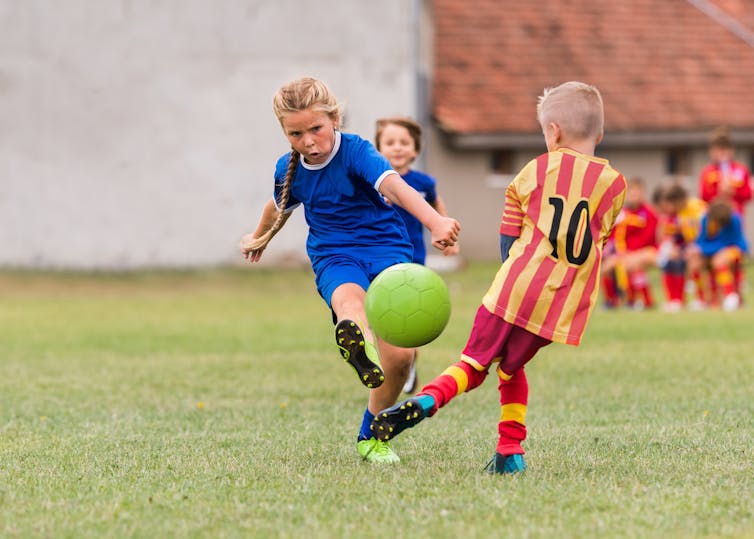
634,249
723,176
680,218
558,214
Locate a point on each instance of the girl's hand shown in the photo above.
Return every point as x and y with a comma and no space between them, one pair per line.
452,250
252,255
445,232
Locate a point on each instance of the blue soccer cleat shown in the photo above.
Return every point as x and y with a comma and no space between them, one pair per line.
506,464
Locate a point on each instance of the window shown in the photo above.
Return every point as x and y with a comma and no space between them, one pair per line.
678,162
501,162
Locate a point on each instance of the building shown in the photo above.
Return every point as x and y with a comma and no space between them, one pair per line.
141,134
669,72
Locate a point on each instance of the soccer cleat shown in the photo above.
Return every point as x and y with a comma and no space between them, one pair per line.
390,422
731,302
373,450
505,464
412,381
356,351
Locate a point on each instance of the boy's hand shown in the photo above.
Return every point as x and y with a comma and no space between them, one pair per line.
252,255
445,232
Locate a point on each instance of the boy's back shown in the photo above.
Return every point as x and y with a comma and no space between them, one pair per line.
562,207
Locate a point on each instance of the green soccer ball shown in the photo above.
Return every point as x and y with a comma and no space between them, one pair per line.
408,305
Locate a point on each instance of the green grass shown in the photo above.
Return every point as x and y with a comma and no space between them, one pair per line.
213,404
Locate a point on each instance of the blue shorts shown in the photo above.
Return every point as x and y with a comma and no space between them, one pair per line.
334,271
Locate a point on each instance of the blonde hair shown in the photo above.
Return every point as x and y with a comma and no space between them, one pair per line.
304,94
413,128
576,107
296,96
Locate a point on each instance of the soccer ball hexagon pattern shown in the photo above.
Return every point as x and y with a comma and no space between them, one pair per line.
408,305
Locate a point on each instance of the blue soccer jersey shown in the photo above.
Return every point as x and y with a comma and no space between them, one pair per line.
425,185
345,212
712,242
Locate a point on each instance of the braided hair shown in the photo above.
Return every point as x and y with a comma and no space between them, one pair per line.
262,241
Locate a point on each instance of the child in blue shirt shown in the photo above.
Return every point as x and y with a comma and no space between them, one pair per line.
341,179
720,247
399,139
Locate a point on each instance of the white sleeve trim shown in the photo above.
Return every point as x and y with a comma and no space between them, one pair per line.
287,210
382,177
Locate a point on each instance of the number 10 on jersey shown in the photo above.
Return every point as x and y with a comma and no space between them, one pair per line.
578,234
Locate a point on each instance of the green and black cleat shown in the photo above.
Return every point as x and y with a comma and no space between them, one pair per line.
356,351
390,422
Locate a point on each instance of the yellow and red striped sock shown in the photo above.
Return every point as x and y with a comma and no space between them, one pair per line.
456,379
514,396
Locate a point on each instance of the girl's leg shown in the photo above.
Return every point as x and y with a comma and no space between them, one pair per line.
396,363
353,336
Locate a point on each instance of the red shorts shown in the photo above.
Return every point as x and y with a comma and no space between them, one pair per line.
493,339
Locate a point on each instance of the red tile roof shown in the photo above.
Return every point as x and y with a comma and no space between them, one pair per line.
660,64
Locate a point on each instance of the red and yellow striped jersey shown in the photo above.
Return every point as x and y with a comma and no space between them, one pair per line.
562,207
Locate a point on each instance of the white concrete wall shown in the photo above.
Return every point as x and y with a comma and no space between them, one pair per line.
138,133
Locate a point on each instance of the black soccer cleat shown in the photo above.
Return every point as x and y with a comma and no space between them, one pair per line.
353,348
390,422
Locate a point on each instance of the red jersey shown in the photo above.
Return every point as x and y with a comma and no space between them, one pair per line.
733,174
683,227
562,207
635,229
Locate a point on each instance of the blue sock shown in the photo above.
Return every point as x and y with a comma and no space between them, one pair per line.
427,402
365,433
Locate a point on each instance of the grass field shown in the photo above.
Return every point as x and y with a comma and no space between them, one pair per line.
213,404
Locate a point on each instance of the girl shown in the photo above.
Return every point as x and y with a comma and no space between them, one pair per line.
341,180
399,139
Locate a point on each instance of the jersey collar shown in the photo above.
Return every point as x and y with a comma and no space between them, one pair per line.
335,148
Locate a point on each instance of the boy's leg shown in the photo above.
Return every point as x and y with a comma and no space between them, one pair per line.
456,379
723,264
674,281
488,336
520,348
514,396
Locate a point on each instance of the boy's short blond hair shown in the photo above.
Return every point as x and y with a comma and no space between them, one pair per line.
576,107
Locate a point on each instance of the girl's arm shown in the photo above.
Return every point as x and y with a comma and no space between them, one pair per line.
269,214
439,206
444,230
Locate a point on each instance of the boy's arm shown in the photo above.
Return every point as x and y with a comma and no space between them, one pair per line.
505,246
510,224
618,203
269,214
444,230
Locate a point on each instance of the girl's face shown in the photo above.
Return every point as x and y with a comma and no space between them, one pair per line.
397,144
311,133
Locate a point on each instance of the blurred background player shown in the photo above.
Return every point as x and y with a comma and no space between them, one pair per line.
400,140
558,214
632,250
342,180
679,222
722,247
726,179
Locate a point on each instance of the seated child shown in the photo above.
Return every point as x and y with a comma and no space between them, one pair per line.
721,247
633,249
679,221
